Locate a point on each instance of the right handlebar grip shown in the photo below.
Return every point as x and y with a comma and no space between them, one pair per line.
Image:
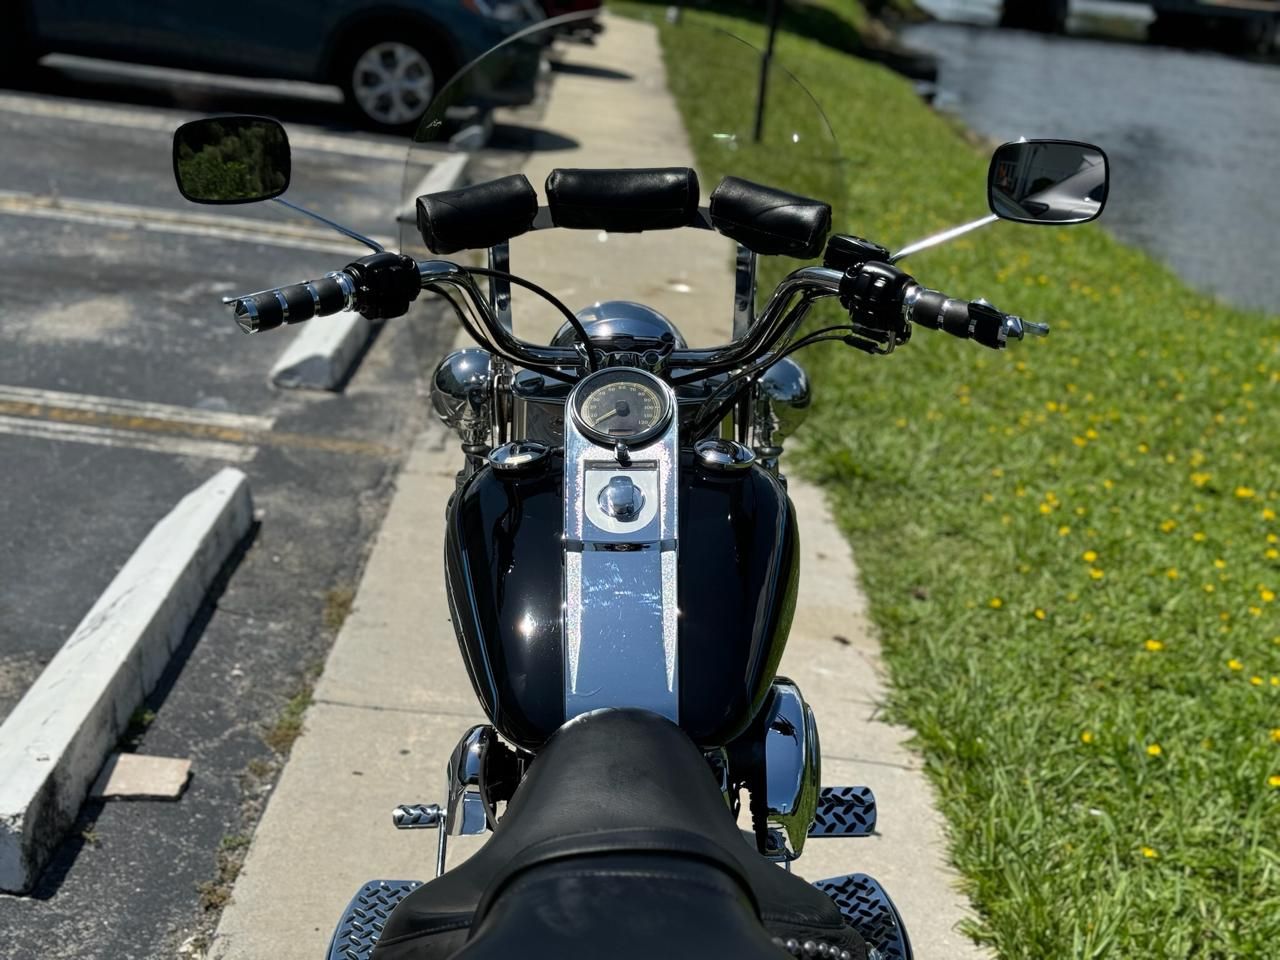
294,303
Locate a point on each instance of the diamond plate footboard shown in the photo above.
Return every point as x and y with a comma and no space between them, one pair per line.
365,916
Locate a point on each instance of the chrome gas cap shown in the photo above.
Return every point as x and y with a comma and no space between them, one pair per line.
723,456
520,456
621,499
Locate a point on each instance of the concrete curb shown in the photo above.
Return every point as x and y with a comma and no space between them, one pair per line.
55,740
321,355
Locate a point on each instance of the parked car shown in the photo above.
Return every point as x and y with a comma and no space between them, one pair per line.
388,56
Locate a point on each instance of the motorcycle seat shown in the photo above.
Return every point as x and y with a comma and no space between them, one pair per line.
617,842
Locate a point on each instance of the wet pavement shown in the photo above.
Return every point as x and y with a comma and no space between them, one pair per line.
1193,136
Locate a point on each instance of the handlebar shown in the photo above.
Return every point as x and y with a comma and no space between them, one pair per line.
268,309
967,319
883,303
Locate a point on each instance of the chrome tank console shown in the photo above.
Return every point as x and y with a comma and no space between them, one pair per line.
620,529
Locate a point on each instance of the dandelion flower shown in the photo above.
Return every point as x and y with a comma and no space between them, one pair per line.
1096,574
1089,556
1200,479
1256,681
1272,553
1172,573
1246,493
1150,852
996,603
1039,614
1234,664
1220,563
1086,736
1154,645
1267,595
1154,750
1199,536
1275,735
1064,530
1273,780
1169,526
1209,588
1268,514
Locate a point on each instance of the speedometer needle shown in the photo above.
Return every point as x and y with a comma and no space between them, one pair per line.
611,413
621,409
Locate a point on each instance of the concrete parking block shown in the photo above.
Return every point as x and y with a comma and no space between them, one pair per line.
322,352
54,741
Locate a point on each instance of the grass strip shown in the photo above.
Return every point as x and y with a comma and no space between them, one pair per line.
1071,549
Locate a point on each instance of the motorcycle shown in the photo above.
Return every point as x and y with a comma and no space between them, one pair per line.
621,553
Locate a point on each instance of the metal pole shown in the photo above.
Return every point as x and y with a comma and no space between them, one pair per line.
775,10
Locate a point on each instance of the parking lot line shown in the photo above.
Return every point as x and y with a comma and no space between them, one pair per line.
187,223
38,399
164,122
133,439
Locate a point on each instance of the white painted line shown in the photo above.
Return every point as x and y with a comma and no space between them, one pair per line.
131,439
134,408
186,223
54,741
321,353
301,138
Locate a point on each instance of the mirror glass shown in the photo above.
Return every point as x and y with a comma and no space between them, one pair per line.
231,159
1047,181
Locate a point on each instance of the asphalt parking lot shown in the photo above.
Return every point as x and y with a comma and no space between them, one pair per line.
111,287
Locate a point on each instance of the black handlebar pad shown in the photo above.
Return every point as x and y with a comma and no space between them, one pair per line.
770,221
478,216
299,304
623,201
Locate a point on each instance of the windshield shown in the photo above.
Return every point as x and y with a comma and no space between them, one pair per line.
600,105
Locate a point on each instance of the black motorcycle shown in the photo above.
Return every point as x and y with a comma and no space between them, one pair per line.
621,552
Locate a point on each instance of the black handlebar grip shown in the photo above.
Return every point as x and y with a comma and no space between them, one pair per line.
292,304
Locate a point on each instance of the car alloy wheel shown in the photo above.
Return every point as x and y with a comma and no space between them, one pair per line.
392,83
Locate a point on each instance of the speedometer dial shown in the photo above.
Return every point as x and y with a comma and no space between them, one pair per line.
621,404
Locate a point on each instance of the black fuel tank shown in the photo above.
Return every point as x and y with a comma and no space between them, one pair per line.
738,571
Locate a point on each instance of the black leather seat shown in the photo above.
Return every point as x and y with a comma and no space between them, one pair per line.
618,843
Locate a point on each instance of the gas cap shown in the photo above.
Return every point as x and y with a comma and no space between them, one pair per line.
723,456
621,499
520,456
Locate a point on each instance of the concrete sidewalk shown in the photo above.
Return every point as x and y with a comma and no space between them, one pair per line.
394,696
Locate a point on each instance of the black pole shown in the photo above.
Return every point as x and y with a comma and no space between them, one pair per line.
775,10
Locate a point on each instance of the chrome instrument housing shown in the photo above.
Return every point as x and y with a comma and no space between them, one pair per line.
609,319
464,810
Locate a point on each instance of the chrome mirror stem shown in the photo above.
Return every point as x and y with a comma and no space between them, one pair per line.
373,245
943,237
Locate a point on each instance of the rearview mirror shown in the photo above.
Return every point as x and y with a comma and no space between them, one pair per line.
231,159
1048,182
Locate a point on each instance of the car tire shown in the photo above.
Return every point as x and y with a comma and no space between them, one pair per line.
389,78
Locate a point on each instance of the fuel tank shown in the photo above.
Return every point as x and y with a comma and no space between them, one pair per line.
738,569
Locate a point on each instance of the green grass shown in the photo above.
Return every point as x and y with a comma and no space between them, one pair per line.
1070,547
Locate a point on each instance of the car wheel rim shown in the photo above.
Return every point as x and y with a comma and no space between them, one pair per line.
392,83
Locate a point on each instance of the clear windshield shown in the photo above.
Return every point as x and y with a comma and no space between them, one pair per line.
543,101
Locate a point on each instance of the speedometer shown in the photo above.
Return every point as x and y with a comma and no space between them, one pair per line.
621,404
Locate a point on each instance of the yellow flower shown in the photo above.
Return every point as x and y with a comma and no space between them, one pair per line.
1209,588
997,472
1154,750
1169,526
1256,681
1108,484
1096,574
1064,530
1275,681
1151,854
1172,573
1267,595
1272,553
1235,664
1220,563
1046,508
1199,537
1273,538
996,603
1275,735
1089,556
1039,614
1255,611
1143,448
1200,479
1080,441
1273,780
1086,736
1246,493
1154,645
1268,514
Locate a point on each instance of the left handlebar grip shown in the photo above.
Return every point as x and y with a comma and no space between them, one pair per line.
295,303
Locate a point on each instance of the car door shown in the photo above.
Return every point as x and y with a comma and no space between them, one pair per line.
106,27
